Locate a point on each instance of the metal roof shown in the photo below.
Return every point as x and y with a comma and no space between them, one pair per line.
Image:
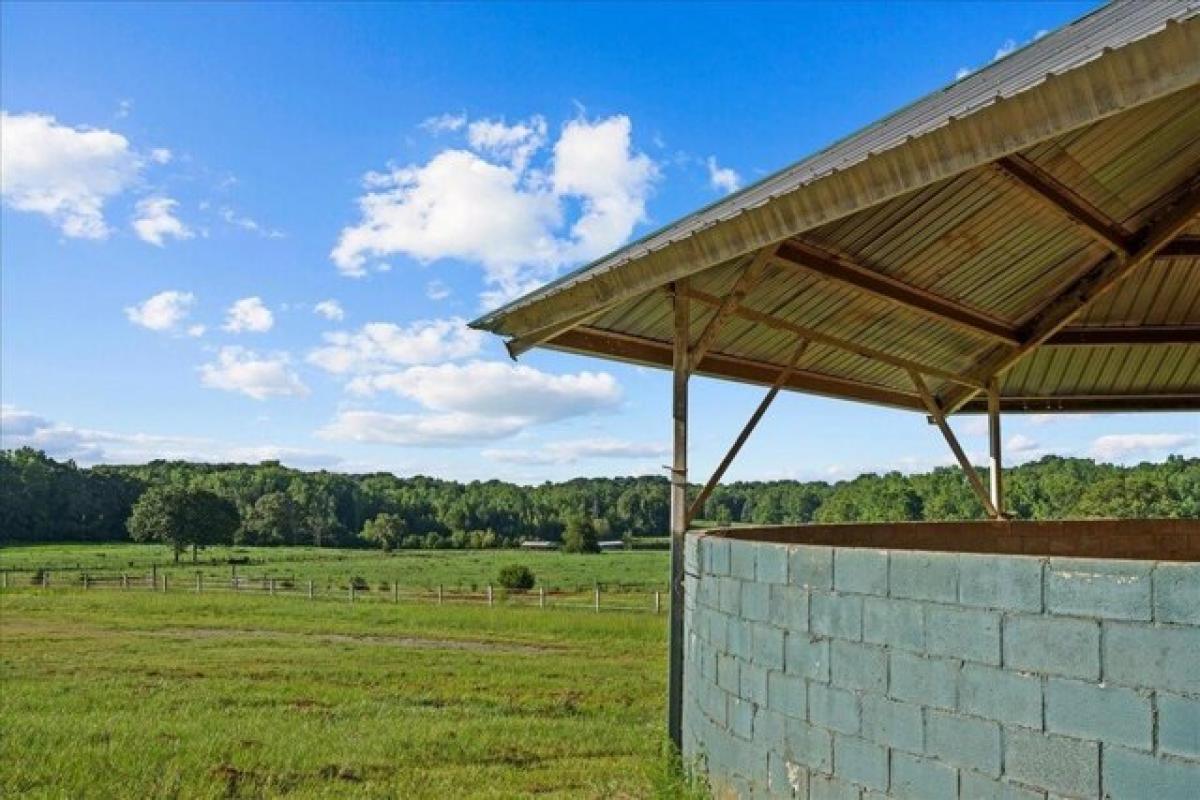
975,233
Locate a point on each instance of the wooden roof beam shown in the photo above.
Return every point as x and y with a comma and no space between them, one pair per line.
1181,247
1110,335
1058,312
1066,201
817,261
750,277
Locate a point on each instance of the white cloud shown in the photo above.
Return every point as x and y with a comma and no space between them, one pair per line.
155,220
380,346
64,173
248,315
519,223
418,430
19,428
161,155
1055,419
437,290
248,224
1117,446
445,123
196,330
330,309
259,376
163,311
962,72
722,178
571,451
1008,47
1021,445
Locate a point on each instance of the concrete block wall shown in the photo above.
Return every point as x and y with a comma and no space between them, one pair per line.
816,672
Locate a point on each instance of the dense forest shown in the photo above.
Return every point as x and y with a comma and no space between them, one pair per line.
42,500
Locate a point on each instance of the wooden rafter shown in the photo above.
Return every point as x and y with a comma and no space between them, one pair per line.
1108,335
1058,312
819,337
522,344
698,504
751,276
1181,247
939,419
817,261
1065,201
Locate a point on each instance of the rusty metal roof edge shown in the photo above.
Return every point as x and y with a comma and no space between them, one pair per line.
1094,37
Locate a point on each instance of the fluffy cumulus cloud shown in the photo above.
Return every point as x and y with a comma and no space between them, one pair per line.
571,451
154,221
723,179
382,346
164,312
491,204
20,428
237,369
248,315
330,310
64,173
472,402
1120,446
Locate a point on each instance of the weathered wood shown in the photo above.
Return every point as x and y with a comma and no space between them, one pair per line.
698,504
1065,201
522,344
1181,247
939,419
820,337
1108,335
816,260
995,467
751,276
680,347
1065,306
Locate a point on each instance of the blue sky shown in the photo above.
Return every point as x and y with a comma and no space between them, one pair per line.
245,232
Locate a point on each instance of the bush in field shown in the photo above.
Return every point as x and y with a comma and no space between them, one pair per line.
580,536
360,584
386,530
182,518
516,577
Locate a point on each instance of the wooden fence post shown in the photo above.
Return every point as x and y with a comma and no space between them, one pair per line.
489,594
351,591
124,581
439,594
596,597
4,577
199,582
272,585
310,590
85,581
46,579
164,581
657,603
541,597
396,592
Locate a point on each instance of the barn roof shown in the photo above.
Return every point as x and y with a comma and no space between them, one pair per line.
1034,223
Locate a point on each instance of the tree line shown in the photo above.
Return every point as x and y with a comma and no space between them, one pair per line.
42,499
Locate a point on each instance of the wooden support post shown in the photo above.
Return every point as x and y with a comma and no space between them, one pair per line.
697,505
46,579
351,591
85,581
271,587
995,467
679,417
164,583
939,419
4,578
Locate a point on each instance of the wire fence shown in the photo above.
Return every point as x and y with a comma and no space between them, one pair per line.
352,590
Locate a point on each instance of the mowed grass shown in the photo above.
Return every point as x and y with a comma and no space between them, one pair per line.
140,694
467,570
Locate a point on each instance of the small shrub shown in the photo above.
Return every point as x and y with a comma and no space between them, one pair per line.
516,578
360,584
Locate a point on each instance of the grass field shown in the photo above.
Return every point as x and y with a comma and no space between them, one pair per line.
140,694
467,570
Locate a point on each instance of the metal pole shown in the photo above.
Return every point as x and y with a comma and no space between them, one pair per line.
995,466
679,418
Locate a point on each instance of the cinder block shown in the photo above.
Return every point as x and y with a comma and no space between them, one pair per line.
1001,695
718,554
728,673
741,638
860,570
691,554
1179,725
742,555
1129,775
916,778
729,596
963,741
892,723
807,656
787,695
861,762
1053,646
822,787
1009,583
896,623
769,727
925,681
1056,763
809,745
752,683
718,630
974,786
1113,588
969,634
837,615
768,646
789,607
771,563
785,778
923,576
756,601
713,703
835,709
1164,657
811,566
1177,593
858,666
741,718
1109,714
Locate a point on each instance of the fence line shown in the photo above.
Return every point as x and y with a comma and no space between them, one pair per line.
353,592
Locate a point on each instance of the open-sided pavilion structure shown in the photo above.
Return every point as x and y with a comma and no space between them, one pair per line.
1025,239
